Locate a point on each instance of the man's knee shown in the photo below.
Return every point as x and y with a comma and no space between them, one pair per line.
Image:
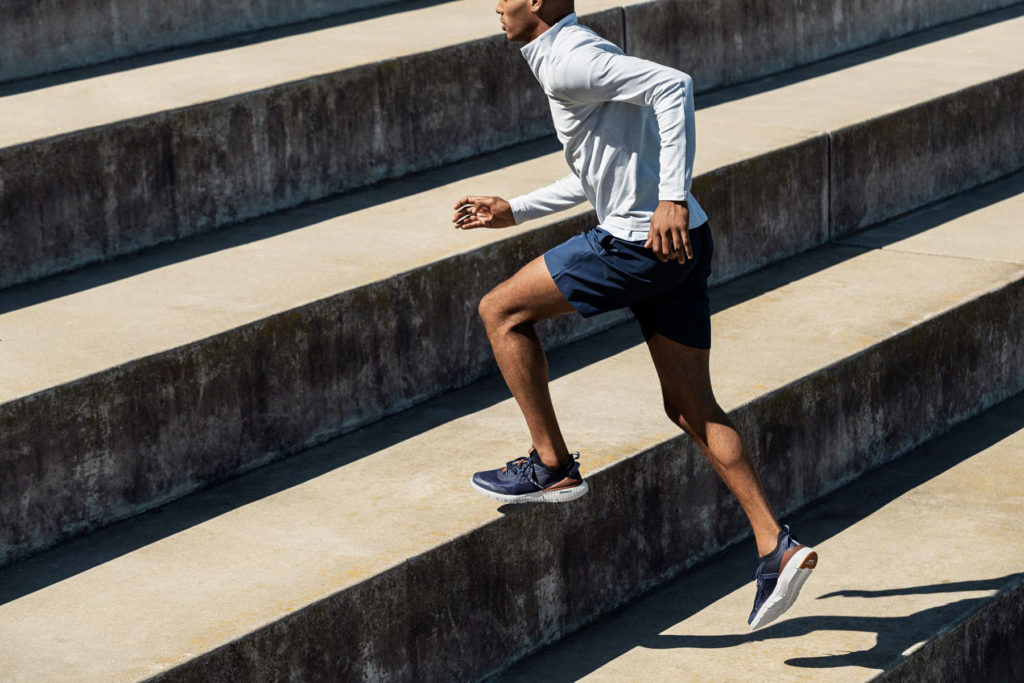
497,311
676,412
692,417
488,308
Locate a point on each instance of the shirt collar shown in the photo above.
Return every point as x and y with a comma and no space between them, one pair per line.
534,50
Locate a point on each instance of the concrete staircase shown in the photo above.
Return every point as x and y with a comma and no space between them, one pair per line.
130,383
921,581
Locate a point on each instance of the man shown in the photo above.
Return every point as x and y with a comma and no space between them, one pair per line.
627,126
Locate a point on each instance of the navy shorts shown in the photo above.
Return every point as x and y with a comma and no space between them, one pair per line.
597,272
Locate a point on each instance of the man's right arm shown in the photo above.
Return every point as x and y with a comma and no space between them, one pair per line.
495,212
562,194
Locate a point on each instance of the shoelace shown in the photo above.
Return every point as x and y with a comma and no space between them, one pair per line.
523,468
518,465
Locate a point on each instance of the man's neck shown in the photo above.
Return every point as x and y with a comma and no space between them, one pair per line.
547,22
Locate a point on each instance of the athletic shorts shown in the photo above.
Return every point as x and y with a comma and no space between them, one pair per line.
597,272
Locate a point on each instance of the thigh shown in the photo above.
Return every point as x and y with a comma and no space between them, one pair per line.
685,377
682,313
530,294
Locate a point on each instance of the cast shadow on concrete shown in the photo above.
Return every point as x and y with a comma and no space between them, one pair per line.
895,634
297,218
265,227
124,537
642,623
950,587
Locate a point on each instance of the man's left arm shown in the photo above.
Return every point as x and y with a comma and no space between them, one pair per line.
601,75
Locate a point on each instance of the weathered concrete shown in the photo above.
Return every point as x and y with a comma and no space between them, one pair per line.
242,394
170,150
935,150
40,36
290,575
985,647
108,165
241,355
729,41
919,578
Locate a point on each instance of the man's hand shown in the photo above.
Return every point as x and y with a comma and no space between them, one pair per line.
482,212
669,237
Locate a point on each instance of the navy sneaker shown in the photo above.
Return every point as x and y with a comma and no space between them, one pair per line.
780,576
528,480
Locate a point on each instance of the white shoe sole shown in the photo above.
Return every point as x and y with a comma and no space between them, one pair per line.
556,496
792,579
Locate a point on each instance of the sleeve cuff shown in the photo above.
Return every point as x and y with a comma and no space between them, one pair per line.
672,194
518,207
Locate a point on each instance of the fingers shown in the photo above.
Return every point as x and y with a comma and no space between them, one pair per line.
681,245
470,200
660,246
466,209
670,244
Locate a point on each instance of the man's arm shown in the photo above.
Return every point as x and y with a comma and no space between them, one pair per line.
562,194
598,74
495,212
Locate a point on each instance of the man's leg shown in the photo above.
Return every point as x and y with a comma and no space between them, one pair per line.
509,312
690,403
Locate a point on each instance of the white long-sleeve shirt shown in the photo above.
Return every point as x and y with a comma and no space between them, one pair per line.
626,125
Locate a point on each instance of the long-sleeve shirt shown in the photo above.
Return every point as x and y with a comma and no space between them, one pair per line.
627,127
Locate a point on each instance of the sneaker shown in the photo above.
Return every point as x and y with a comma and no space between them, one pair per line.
528,480
780,576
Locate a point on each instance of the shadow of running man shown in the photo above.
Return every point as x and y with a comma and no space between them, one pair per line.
895,634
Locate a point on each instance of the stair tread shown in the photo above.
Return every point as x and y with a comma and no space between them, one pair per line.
231,559
987,51
44,112
327,248
905,552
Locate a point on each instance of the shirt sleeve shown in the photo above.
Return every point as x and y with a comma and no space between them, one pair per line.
599,74
559,195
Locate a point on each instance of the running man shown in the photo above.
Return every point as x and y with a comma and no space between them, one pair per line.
627,126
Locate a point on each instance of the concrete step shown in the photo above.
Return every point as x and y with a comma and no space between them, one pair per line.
371,557
112,161
42,37
919,580
245,345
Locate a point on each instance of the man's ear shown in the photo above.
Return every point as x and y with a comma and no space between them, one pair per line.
536,5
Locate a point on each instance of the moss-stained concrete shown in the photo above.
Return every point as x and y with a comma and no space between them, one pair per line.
984,647
41,36
728,41
464,609
936,149
86,452
162,157
82,196
919,579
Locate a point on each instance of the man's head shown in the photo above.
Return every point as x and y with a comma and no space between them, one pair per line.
524,20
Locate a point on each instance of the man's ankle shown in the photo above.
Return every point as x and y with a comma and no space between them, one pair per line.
551,461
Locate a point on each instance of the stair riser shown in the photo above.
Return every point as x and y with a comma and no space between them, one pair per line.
112,190
729,41
881,169
41,37
116,443
111,445
475,604
96,194
984,647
